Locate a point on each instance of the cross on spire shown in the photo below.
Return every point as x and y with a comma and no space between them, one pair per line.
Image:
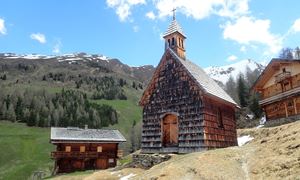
174,13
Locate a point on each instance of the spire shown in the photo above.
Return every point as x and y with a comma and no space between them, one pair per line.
174,13
174,37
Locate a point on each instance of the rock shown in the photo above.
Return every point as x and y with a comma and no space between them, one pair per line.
146,161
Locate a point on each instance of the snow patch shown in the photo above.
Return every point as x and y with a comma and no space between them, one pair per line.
260,126
223,73
127,177
244,139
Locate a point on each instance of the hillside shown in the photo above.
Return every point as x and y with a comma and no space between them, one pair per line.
24,150
272,154
105,81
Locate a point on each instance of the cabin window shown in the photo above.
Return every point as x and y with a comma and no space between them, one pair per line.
68,149
82,148
219,118
99,149
111,160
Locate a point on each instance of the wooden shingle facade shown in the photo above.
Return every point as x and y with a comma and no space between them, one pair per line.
184,110
279,89
82,149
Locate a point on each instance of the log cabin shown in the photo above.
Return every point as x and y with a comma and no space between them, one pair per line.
279,89
82,149
184,110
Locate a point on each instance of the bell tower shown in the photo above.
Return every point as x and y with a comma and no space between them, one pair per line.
175,38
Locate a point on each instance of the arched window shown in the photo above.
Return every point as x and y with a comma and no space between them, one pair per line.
173,41
169,42
182,43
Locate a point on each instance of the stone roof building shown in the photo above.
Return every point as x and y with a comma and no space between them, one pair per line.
184,110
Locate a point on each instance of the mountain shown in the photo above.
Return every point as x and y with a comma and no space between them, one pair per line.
100,62
222,73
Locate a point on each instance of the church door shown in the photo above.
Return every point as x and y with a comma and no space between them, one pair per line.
170,130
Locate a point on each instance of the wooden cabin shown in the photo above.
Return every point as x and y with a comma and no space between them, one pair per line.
82,149
279,89
184,110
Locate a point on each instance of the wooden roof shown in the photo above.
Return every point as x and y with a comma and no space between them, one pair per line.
78,134
174,27
204,82
269,71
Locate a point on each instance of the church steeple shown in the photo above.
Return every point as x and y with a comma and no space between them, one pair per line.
175,38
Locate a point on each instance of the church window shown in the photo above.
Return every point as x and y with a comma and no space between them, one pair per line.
169,42
219,118
173,41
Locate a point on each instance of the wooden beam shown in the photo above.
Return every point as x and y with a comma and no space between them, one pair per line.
295,106
286,112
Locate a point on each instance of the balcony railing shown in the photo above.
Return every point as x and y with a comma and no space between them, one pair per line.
282,76
63,154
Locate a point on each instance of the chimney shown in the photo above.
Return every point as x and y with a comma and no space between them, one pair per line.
85,126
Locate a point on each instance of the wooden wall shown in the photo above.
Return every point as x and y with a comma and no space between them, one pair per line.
174,93
219,124
278,88
284,108
76,160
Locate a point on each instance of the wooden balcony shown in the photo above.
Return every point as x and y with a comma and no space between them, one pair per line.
63,154
282,76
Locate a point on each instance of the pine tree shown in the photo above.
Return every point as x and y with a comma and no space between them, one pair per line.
19,109
286,53
242,91
132,137
297,53
10,113
231,88
255,107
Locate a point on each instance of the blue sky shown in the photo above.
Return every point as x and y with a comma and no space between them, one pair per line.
219,32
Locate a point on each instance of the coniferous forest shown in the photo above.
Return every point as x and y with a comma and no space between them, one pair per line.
66,108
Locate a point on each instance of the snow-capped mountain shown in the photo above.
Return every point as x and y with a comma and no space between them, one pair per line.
222,73
143,73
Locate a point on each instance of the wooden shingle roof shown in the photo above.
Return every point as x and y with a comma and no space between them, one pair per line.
205,83
78,134
173,27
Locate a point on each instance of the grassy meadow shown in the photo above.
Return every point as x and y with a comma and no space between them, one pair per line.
24,150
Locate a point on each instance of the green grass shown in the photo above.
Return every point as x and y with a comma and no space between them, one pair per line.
128,111
24,150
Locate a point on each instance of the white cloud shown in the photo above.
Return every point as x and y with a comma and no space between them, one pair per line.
234,8
199,9
39,37
2,27
57,47
243,49
123,7
136,28
150,15
296,26
231,58
246,30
